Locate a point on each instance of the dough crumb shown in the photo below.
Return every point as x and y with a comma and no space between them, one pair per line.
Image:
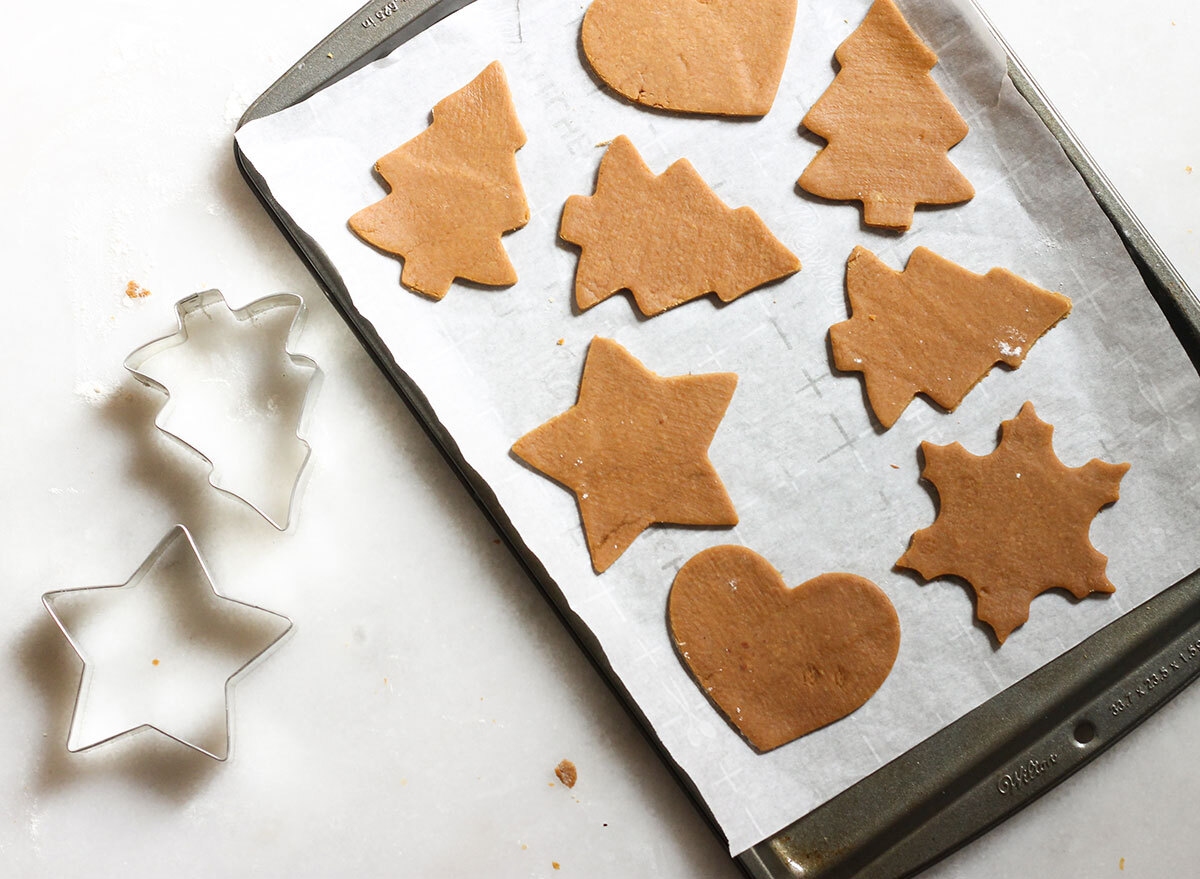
554,864
567,773
134,290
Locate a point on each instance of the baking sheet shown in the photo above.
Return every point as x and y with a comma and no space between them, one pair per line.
812,479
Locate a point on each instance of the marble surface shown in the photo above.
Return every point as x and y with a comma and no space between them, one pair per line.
413,734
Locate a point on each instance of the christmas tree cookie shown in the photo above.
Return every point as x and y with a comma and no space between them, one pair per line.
935,328
454,191
667,239
888,124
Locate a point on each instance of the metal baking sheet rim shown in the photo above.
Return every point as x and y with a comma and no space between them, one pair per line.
975,772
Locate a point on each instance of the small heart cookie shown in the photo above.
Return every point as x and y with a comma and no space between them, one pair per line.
780,662
724,57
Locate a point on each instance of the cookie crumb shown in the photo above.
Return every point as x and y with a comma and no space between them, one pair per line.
1188,168
560,341
554,864
154,662
894,466
567,773
134,290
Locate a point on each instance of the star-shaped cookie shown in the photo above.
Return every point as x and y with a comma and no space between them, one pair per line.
1014,523
634,449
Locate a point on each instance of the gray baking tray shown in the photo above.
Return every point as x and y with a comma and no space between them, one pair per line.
980,769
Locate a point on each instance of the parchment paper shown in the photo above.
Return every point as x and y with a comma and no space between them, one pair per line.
812,480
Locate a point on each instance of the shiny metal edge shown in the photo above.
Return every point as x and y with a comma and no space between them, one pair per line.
177,532
201,302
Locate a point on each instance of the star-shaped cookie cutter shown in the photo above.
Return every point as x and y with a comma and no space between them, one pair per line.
176,533
200,302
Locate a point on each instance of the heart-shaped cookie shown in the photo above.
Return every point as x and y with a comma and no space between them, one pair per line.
724,57
780,662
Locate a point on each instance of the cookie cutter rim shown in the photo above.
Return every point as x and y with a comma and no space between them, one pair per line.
176,531
184,309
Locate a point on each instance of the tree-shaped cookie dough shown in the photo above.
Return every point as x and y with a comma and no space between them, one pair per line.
888,124
667,239
634,449
454,191
935,328
1014,523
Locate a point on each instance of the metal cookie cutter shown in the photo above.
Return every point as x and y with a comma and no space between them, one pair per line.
201,302
177,548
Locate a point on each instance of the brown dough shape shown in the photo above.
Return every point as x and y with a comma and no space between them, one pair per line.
1014,523
935,328
722,57
779,662
567,773
888,124
454,191
634,449
667,239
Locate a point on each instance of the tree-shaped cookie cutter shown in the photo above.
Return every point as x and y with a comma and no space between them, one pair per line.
201,302
178,532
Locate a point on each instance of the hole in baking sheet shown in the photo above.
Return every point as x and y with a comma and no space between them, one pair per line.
237,397
159,649
1084,732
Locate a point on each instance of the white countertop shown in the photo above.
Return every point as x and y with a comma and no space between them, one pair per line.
415,736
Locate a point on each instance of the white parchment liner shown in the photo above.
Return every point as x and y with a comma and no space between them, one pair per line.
813,481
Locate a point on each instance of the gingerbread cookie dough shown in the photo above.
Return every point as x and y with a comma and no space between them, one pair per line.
935,328
1014,523
667,239
454,191
634,449
724,57
780,662
566,772
888,124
